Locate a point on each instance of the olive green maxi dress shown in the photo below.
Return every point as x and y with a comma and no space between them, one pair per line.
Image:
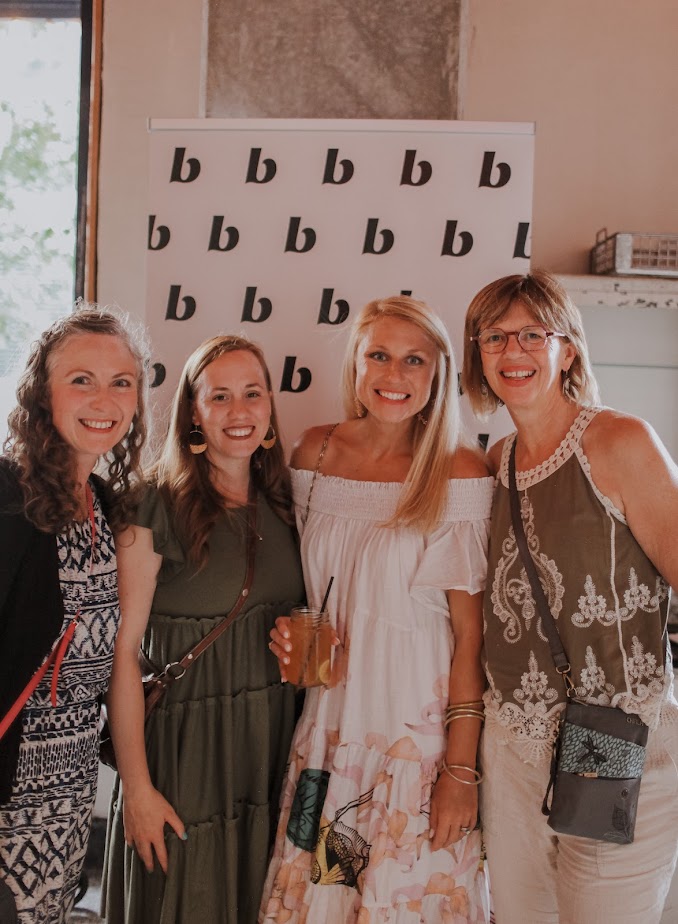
218,743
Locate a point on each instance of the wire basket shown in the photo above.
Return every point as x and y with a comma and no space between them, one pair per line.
635,254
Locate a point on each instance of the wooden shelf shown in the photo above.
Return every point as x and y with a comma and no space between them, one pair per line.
622,291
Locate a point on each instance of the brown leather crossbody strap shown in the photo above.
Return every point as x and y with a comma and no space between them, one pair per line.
176,670
317,468
547,620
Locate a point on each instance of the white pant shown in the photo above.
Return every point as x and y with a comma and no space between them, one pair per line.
540,877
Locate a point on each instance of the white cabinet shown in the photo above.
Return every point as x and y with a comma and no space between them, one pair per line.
631,326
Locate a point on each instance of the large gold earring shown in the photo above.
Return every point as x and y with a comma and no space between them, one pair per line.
360,409
196,440
269,442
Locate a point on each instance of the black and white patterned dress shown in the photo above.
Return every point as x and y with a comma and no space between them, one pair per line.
45,826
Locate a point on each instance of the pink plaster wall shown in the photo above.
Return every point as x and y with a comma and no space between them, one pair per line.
600,80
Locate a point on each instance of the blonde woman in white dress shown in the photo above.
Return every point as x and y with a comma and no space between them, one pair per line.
379,810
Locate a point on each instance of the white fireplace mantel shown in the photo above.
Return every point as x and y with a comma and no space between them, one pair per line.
622,291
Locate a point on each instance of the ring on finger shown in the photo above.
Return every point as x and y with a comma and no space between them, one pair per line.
464,830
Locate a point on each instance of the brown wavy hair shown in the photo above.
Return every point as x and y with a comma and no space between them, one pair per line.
44,463
184,479
549,304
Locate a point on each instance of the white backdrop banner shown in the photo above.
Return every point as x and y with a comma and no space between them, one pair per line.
283,229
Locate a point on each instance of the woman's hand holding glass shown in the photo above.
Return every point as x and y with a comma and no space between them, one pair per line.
281,645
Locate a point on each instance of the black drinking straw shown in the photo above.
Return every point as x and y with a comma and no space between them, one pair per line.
311,643
327,593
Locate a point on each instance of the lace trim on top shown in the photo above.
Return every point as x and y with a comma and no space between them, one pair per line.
570,445
468,498
539,751
556,460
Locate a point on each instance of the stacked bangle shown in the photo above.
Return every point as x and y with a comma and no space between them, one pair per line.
473,710
448,768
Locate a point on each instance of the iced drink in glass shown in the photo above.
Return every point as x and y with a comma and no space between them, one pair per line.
311,638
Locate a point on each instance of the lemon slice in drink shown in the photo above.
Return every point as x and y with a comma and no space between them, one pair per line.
324,672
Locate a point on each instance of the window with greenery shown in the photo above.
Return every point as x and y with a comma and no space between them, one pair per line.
41,173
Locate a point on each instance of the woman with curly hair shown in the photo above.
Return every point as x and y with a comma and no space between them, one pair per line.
193,812
80,405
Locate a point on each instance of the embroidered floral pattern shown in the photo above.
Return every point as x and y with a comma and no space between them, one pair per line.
531,716
535,685
593,606
637,597
595,577
642,666
512,598
594,687
535,723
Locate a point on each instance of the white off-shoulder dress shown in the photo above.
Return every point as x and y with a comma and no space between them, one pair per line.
353,838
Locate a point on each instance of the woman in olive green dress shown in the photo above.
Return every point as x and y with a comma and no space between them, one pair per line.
193,811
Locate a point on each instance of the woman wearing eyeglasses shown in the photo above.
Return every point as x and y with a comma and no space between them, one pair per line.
599,503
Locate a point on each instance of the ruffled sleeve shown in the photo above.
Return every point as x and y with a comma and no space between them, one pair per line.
455,555
152,514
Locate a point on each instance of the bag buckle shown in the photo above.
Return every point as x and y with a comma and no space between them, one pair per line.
564,672
173,671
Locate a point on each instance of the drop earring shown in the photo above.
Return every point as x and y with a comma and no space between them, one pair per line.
196,440
269,442
484,390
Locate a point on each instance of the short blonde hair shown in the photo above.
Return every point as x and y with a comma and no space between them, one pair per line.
425,493
550,305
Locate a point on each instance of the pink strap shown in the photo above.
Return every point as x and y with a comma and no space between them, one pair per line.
57,653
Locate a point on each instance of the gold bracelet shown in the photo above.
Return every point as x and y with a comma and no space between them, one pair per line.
479,703
448,768
464,715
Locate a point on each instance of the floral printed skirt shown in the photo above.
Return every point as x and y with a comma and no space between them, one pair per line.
353,841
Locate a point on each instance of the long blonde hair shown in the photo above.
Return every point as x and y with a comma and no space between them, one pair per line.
424,495
184,479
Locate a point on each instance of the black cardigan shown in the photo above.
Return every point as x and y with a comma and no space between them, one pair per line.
31,610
